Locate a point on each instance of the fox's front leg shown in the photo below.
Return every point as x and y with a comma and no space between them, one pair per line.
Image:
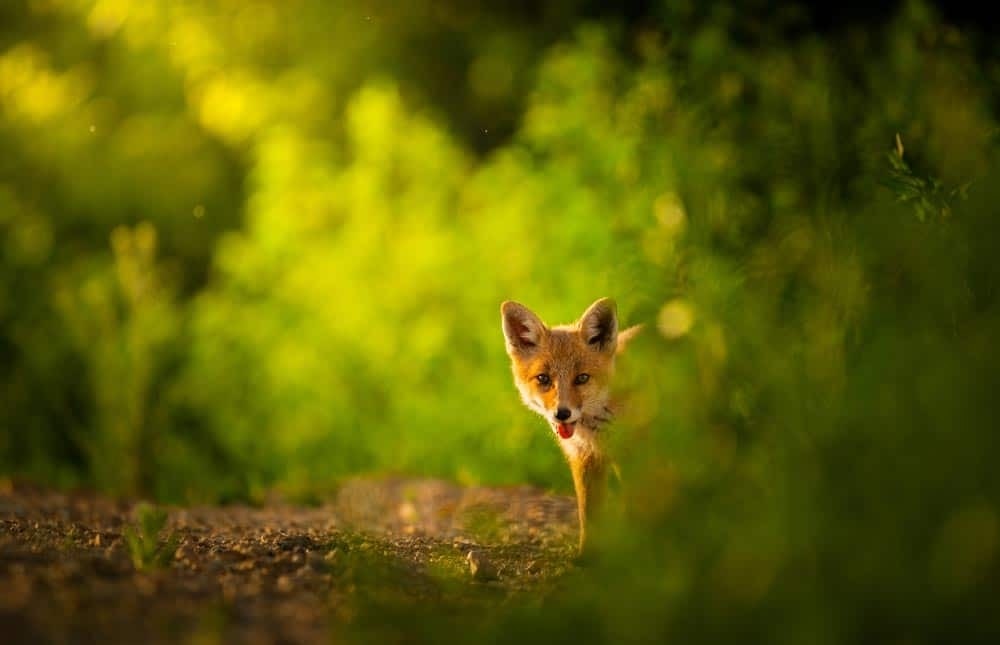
589,480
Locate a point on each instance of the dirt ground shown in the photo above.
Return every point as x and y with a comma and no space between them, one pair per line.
275,574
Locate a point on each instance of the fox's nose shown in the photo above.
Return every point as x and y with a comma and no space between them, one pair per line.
562,414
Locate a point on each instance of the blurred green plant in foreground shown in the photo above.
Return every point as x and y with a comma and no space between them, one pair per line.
928,196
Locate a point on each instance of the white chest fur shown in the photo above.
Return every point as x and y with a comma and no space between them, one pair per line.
583,442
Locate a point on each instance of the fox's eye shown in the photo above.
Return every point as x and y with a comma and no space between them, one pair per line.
543,379
581,379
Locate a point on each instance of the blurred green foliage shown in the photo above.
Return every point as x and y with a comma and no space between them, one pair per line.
255,245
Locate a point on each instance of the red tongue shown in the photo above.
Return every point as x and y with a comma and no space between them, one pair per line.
565,430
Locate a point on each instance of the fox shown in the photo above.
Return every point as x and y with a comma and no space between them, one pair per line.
564,373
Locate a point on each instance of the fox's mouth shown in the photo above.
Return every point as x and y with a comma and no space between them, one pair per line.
565,430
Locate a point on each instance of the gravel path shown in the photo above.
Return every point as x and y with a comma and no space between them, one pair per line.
276,574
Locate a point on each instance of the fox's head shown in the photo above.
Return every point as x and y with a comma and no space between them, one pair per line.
564,372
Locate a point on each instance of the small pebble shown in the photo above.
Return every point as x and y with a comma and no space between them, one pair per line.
480,567
315,560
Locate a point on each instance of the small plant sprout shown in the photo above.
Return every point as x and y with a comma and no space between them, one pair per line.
145,546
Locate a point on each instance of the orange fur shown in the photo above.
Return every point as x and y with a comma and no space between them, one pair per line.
564,373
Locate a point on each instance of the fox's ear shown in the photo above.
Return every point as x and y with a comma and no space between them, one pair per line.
599,325
523,329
